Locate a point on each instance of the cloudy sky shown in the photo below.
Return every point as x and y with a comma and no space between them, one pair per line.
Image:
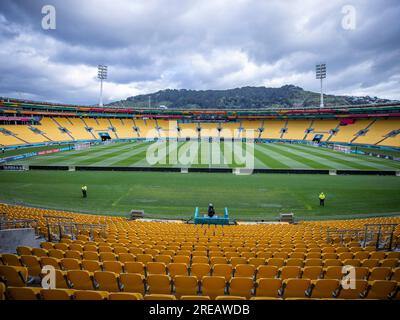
151,45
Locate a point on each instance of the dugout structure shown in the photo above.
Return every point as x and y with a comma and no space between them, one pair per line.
216,220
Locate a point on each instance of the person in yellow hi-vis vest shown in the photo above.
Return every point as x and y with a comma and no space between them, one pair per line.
322,199
84,191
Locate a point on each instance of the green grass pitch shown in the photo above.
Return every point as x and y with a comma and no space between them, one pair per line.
175,195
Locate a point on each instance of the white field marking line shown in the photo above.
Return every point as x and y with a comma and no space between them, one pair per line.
121,197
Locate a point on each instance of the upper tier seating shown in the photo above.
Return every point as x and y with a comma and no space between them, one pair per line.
371,131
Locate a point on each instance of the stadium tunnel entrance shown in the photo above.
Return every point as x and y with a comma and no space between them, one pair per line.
104,136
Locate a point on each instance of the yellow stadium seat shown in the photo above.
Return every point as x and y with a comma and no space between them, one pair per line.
134,267
177,268
241,286
370,263
158,283
125,296
107,256
73,254
33,265
24,250
200,270
90,255
230,297
50,261
288,272
185,285
396,275
223,270
354,293
312,273
213,286
266,272
156,268
268,287
23,293
380,273
295,288
57,294
391,263
188,297
113,266
107,281
39,252
11,260
324,288
55,253
70,264
90,295
182,259
14,276
334,272
132,282
126,257
159,297
2,291
277,262
381,289
80,279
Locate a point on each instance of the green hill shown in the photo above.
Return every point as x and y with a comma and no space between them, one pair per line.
288,96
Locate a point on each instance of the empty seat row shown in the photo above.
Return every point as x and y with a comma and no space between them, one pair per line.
18,276
103,283
10,259
328,253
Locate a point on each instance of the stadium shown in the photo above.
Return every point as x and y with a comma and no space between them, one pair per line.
200,202
349,153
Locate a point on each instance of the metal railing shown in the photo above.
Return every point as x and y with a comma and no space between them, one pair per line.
382,235
7,223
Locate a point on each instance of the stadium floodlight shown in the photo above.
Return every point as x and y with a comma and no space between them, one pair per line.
320,73
101,75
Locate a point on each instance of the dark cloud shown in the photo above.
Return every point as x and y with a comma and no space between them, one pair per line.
157,44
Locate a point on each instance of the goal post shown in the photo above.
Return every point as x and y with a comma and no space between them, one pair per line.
82,146
342,148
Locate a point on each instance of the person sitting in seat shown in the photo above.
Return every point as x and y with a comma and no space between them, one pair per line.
211,210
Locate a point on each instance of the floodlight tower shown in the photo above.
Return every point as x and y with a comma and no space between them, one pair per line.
101,75
320,73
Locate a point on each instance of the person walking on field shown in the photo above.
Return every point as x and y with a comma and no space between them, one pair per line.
84,191
322,199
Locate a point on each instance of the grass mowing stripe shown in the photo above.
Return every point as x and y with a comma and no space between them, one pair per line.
91,159
365,158
316,162
85,154
293,161
109,161
354,161
186,154
267,160
202,155
332,164
327,158
138,159
228,157
250,155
